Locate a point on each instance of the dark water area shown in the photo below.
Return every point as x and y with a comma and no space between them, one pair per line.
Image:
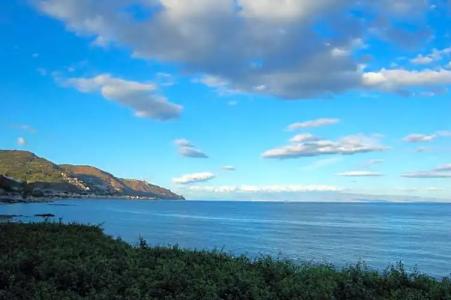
418,234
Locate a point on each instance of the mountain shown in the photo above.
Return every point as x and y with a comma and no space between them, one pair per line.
98,181
25,174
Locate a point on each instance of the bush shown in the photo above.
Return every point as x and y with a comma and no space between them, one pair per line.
57,261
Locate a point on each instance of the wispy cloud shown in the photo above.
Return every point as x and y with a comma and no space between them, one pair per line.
143,98
304,137
24,127
375,161
360,174
165,79
347,145
193,178
186,148
275,188
443,171
322,163
419,137
427,174
434,56
313,123
229,168
444,168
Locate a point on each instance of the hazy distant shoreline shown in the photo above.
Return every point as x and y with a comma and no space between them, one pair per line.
11,199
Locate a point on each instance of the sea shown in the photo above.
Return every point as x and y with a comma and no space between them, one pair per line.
378,234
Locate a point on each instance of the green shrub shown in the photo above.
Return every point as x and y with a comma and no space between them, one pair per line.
57,261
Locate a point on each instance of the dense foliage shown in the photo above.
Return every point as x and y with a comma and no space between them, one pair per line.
56,261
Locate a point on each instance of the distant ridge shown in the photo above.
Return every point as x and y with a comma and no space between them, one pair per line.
24,174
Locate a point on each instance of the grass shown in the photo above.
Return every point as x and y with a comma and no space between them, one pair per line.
56,261
27,167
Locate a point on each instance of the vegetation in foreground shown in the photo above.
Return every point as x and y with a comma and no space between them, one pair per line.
56,261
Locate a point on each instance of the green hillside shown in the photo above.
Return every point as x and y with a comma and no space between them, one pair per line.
27,167
23,173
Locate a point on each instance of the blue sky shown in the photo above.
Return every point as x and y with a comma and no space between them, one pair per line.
199,95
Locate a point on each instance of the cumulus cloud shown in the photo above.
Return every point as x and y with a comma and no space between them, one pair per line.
443,171
143,98
360,174
419,137
193,178
347,145
313,123
186,148
401,79
21,141
260,46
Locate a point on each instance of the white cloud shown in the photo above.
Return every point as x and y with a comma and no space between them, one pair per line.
186,148
229,168
262,46
444,168
193,178
287,11
360,174
421,60
443,171
421,190
257,46
275,188
419,137
347,145
313,123
435,55
21,141
213,81
143,98
402,79
427,174
303,137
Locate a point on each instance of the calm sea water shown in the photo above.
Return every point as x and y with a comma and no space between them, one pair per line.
340,233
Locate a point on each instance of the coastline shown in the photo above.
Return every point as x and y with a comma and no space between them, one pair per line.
12,199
